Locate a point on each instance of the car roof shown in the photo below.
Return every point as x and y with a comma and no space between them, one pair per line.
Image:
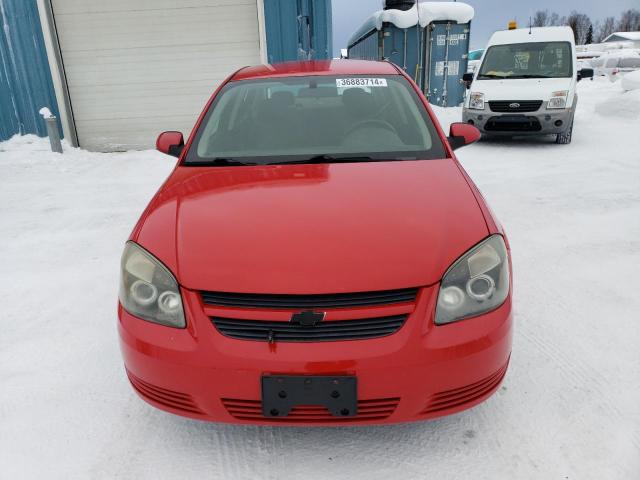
317,67
538,34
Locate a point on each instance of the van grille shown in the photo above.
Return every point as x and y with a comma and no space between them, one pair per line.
515,106
317,301
266,331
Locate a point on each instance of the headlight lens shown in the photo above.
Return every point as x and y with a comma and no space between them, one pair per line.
558,99
148,289
476,283
476,100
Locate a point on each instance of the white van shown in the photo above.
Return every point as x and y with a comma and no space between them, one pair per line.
526,84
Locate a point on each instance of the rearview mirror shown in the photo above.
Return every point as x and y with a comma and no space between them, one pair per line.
585,73
171,143
462,134
467,78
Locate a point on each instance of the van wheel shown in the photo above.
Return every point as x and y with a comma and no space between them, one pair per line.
565,138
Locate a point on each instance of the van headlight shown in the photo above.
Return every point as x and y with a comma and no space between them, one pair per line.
476,101
148,289
476,283
558,99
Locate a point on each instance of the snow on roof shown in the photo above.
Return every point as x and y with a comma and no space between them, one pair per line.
429,12
634,36
538,34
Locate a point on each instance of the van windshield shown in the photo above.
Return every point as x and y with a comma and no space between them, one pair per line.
315,119
527,60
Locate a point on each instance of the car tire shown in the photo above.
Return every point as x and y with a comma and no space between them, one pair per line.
564,138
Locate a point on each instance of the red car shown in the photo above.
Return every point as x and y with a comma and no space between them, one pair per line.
318,256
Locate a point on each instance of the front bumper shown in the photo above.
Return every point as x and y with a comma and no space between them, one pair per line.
540,122
421,371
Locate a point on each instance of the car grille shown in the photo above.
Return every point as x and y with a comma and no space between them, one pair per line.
268,331
168,398
459,396
251,410
299,302
509,106
513,124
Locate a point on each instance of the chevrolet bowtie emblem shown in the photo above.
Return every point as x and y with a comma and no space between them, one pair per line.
308,318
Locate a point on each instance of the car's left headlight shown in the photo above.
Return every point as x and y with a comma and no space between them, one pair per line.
476,101
558,99
148,289
476,283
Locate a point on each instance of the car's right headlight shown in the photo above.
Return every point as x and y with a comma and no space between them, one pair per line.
148,289
476,283
476,101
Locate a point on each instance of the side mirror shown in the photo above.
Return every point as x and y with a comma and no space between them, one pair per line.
462,134
467,78
585,73
170,143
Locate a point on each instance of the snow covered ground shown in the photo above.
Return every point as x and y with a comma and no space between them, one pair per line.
569,407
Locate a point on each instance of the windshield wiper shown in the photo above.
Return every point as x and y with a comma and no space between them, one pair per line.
531,75
221,162
491,75
331,159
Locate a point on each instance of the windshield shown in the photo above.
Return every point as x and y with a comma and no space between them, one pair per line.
527,60
315,119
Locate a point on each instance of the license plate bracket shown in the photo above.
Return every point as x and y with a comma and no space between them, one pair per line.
281,393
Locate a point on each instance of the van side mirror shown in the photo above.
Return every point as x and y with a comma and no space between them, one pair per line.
462,134
585,73
171,143
467,78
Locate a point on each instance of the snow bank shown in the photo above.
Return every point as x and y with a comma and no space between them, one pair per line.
631,81
620,105
429,12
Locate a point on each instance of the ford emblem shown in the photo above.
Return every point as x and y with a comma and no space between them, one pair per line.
514,105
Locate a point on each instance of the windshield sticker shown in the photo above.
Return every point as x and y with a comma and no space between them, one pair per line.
360,82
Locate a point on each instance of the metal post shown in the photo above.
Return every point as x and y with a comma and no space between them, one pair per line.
53,133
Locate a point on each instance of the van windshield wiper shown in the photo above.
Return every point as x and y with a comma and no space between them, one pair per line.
491,75
531,75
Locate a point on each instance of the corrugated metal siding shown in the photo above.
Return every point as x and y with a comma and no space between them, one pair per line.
449,52
428,52
368,48
298,30
25,79
139,67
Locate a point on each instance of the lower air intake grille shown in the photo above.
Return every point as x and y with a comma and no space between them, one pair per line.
375,409
168,398
322,332
459,396
318,301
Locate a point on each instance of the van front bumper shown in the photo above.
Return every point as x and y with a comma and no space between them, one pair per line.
421,371
541,122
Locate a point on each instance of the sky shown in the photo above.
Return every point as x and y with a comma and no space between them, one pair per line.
491,15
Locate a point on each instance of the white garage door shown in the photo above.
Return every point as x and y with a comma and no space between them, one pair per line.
135,68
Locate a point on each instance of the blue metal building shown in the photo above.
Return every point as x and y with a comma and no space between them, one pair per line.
430,44
25,78
298,30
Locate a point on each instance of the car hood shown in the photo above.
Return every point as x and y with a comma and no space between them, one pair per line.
326,228
520,89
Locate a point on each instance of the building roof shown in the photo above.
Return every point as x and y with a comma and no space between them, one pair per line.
618,36
430,12
318,67
538,34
